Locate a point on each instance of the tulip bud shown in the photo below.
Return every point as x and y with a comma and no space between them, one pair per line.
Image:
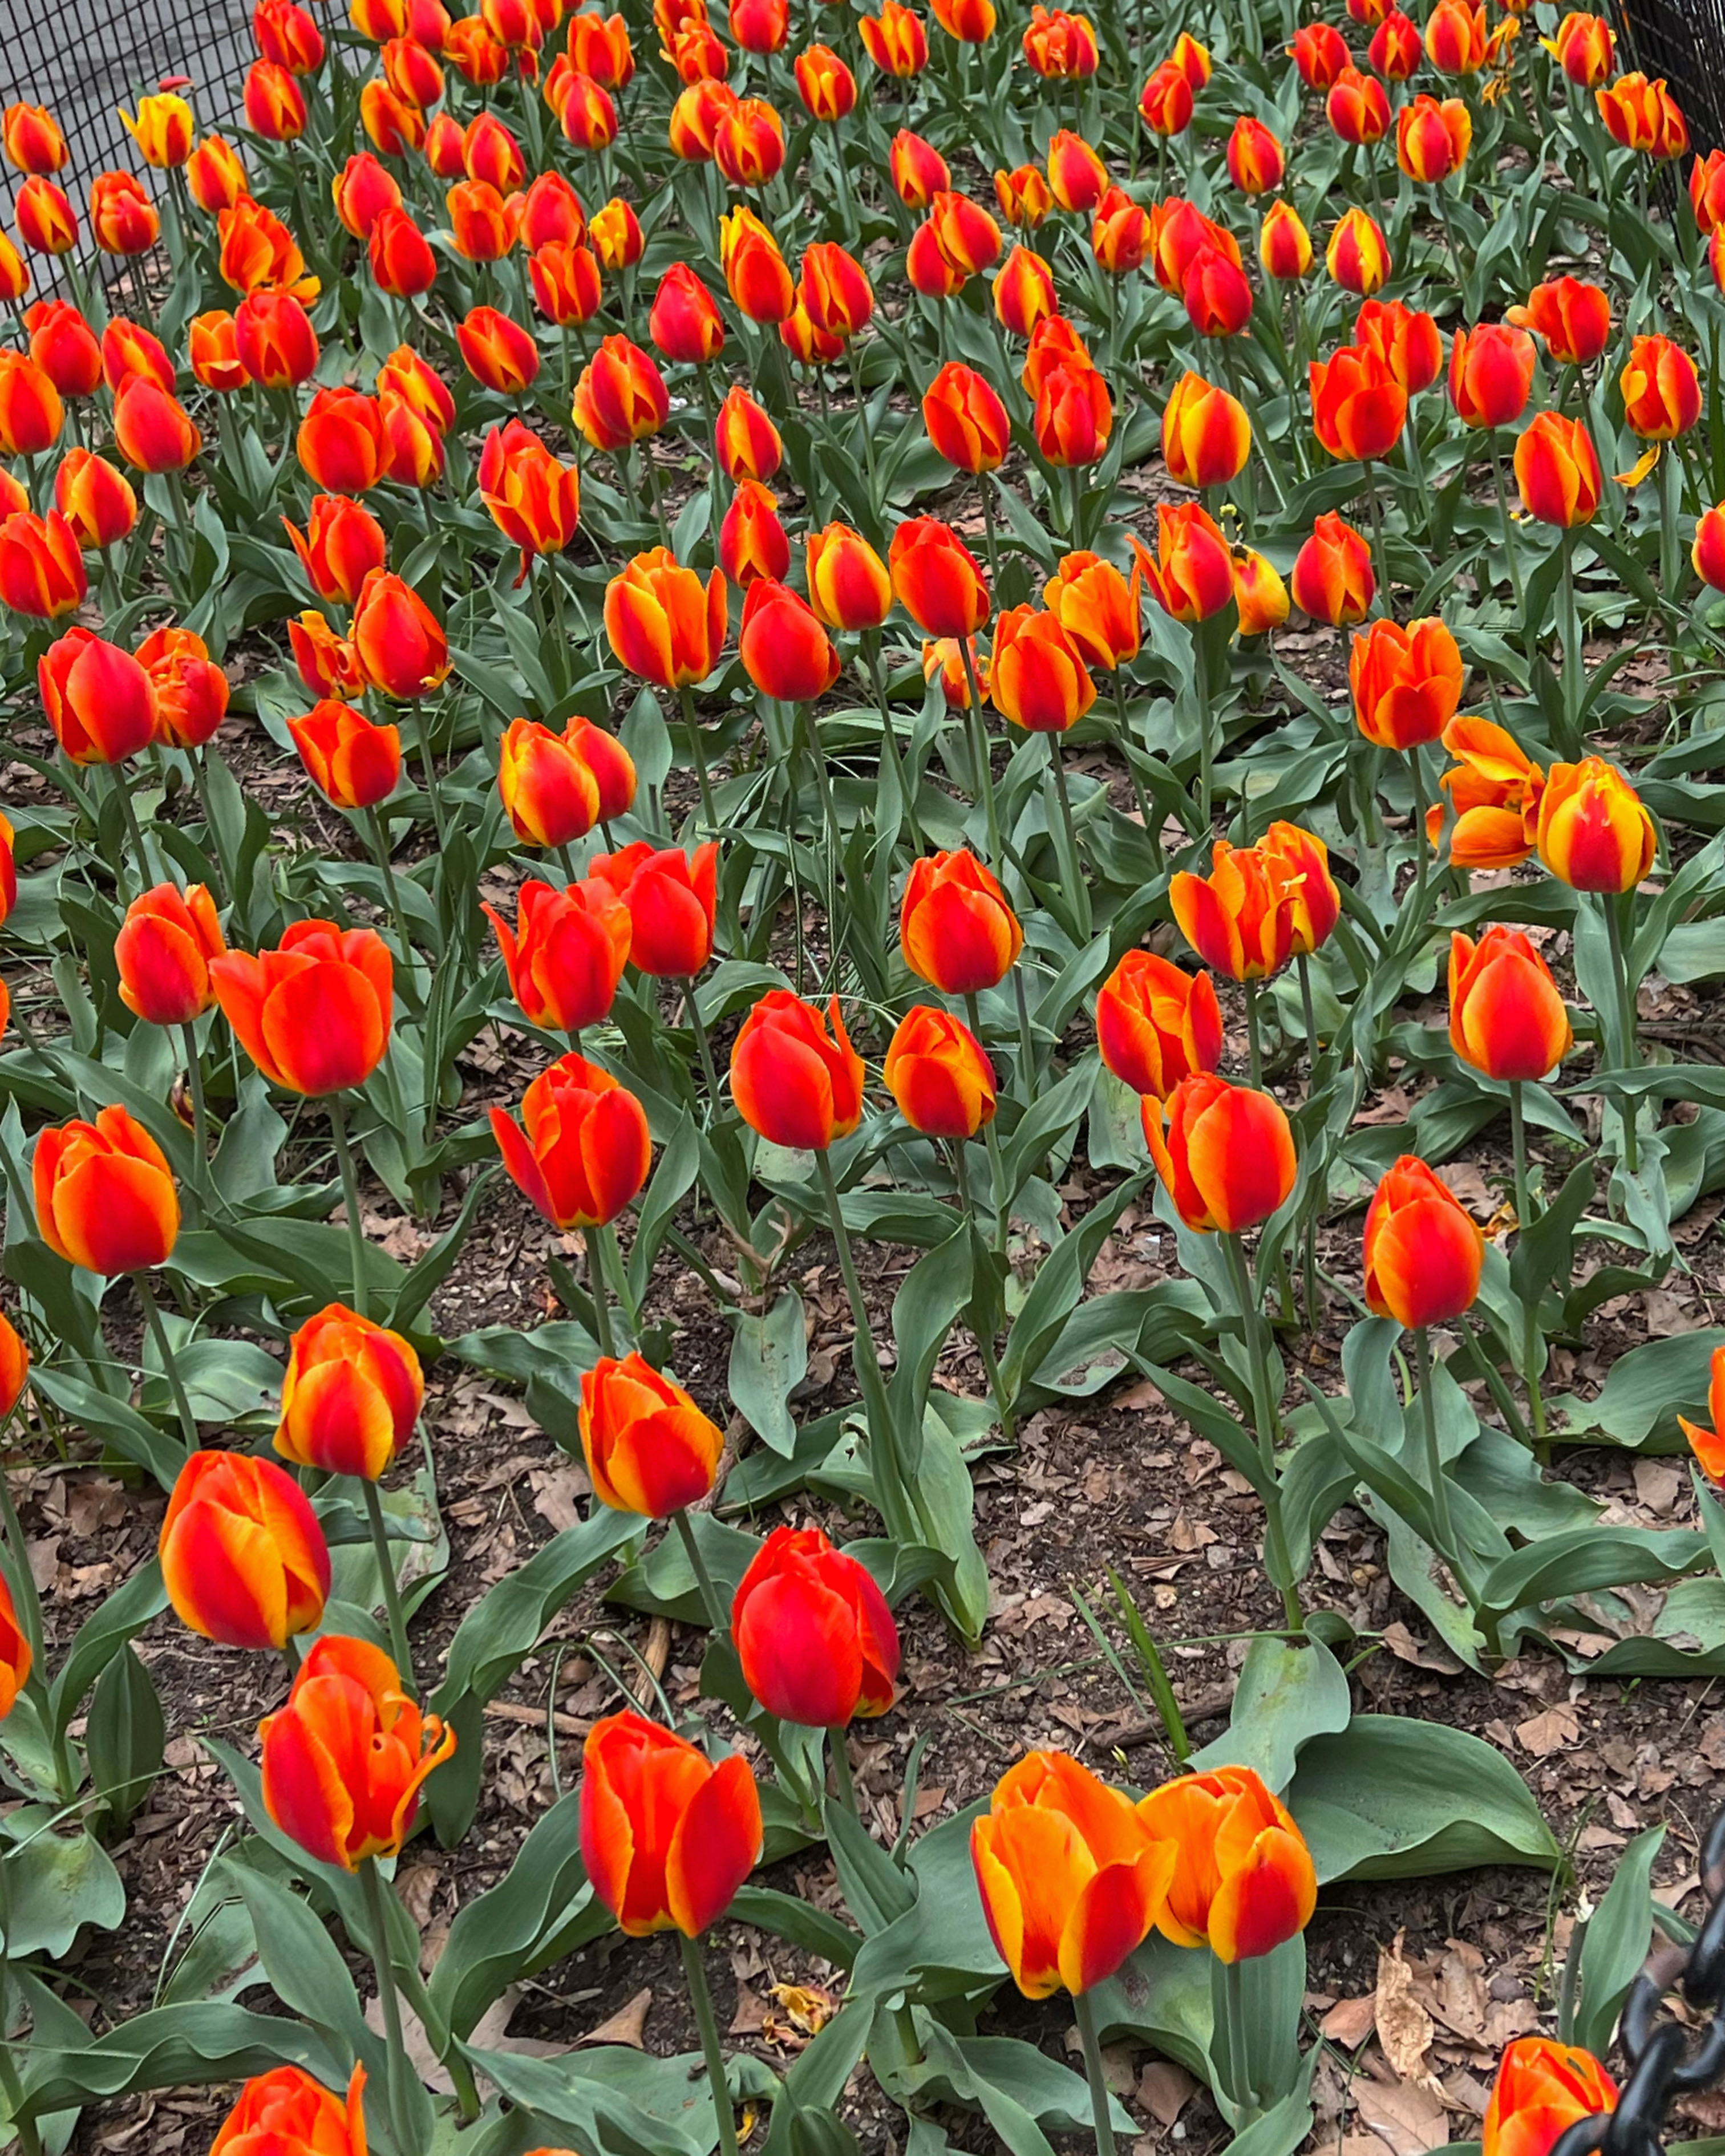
793,1080
1333,580
162,954
649,1448
1206,435
353,764
1557,471
957,931
849,586
1244,1882
1191,574
1507,1017
1156,1025
96,501
1422,1252
667,1838
104,1195
813,1632
98,699
351,1395
399,642
244,1559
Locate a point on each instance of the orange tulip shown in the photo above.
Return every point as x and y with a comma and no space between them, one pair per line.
965,234
1217,294
259,250
1320,53
1156,1025
1595,831
556,787
1494,792
1243,1882
1490,374
794,1080
1255,162
353,764
1641,115
1025,294
212,348
1406,682
339,442
1333,579
32,140
64,346
832,290
1099,611
896,40
667,1837
287,2111
276,343
1433,138
1572,317
361,191
567,953
661,624
244,1558
1557,471
1071,1877
127,349
342,543
314,1014
215,175
752,548
1358,407
1395,50
586,1152
1507,1017
123,220
1283,243
351,1395
621,397
535,501
1224,1154
784,646
649,1448
98,699
566,282
31,411
1542,2088
849,585
1060,46
397,641
105,1195
1424,1254
152,430
939,1074
1456,37
498,352
343,1760
1585,47
42,572
1241,919
1191,574
966,420
1259,593
1022,197
1661,390
276,107
1708,1444
1039,678
937,580
1405,340
325,661
1358,109
1357,256
1206,435
162,954
1707,553
957,931
1166,102
47,223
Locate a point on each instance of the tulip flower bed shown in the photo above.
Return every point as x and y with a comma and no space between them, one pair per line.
860,905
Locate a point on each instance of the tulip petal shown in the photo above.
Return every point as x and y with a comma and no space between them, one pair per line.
1113,1915
716,1846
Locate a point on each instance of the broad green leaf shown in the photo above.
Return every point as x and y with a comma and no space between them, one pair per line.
60,1881
1288,1693
1394,1799
769,1357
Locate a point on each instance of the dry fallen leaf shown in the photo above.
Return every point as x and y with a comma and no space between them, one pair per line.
1405,2115
1404,2028
1421,1654
627,2025
1350,2022
1553,1731
1165,2090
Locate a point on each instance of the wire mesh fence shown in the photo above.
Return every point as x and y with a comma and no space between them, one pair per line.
1683,41
85,61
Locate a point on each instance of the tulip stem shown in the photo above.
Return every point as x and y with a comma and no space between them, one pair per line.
383,1963
1422,845
1302,966
29,1600
984,1341
1201,686
1434,1475
128,810
701,1999
838,1744
1278,1562
984,771
350,1199
871,657
158,1333
868,439
1101,2107
1080,891
991,543
1027,1044
690,719
891,1495
400,1648
997,1159
1380,558
711,1599
200,1121
1254,1052
1244,2096
1572,647
596,1288
1153,830
704,1049
1510,553
380,847
1530,1308
1626,1023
